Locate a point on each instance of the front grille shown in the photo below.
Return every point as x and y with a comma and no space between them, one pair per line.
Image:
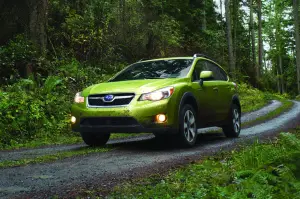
109,121
120,99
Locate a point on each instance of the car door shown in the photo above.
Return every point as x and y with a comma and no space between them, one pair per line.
205,94
222,94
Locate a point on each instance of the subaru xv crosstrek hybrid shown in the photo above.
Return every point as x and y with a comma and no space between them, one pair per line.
167,97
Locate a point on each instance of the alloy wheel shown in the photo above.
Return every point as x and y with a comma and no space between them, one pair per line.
236,120
189,126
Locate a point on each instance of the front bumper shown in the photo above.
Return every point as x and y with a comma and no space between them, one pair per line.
137,117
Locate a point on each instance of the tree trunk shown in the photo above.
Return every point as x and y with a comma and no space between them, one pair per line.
281,74
38,23
253,39
297,38
260,41
204,16
229,38
221,9
278,82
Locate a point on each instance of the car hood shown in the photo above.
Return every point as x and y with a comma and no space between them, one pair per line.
131,86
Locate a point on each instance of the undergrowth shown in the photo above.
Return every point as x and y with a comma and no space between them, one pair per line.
252,99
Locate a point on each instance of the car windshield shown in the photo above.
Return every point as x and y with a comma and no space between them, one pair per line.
174,68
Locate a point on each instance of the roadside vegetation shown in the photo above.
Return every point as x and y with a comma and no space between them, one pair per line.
261,170
251,98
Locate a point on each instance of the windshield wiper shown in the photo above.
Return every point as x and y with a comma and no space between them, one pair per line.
155,78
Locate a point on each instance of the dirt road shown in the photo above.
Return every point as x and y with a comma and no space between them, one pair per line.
132,158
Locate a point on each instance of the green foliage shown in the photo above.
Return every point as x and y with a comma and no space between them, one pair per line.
28,111
251,98
38,108
14,56
167,29
259,171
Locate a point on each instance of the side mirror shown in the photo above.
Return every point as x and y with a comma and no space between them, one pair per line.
205,75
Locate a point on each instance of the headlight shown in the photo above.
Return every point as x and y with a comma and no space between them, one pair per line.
158,95
78,98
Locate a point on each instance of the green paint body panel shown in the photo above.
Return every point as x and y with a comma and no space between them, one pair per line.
213,100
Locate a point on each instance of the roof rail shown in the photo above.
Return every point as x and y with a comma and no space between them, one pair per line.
200,55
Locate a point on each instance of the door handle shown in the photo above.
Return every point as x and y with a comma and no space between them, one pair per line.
216,89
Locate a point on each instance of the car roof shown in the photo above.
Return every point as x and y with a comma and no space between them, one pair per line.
167,58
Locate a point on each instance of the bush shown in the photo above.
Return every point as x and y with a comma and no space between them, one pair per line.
15,56
39,107
252,98
28,111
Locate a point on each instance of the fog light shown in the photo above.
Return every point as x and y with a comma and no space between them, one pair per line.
73,120
161,118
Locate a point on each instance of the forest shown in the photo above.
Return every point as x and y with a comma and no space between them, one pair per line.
51,49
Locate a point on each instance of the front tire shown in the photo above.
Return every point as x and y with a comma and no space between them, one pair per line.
233,128
187,126
93,139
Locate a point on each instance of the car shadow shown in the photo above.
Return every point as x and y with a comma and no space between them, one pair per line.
167,144
152,144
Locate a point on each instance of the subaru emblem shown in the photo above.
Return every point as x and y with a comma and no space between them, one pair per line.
108,98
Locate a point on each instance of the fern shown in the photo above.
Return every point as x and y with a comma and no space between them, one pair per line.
50,83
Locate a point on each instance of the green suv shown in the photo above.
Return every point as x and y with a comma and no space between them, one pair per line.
167,97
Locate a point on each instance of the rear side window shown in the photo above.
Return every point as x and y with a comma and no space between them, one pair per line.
203,65
219,73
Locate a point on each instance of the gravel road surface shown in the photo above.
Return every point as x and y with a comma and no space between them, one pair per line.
66,177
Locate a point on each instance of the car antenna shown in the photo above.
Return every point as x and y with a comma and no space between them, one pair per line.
202,55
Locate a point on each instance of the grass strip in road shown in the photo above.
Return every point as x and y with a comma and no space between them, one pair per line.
262,170
44,142
54,157
286,105
70,138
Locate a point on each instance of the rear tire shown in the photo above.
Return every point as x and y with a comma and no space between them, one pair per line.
94,139
187,126
233,128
